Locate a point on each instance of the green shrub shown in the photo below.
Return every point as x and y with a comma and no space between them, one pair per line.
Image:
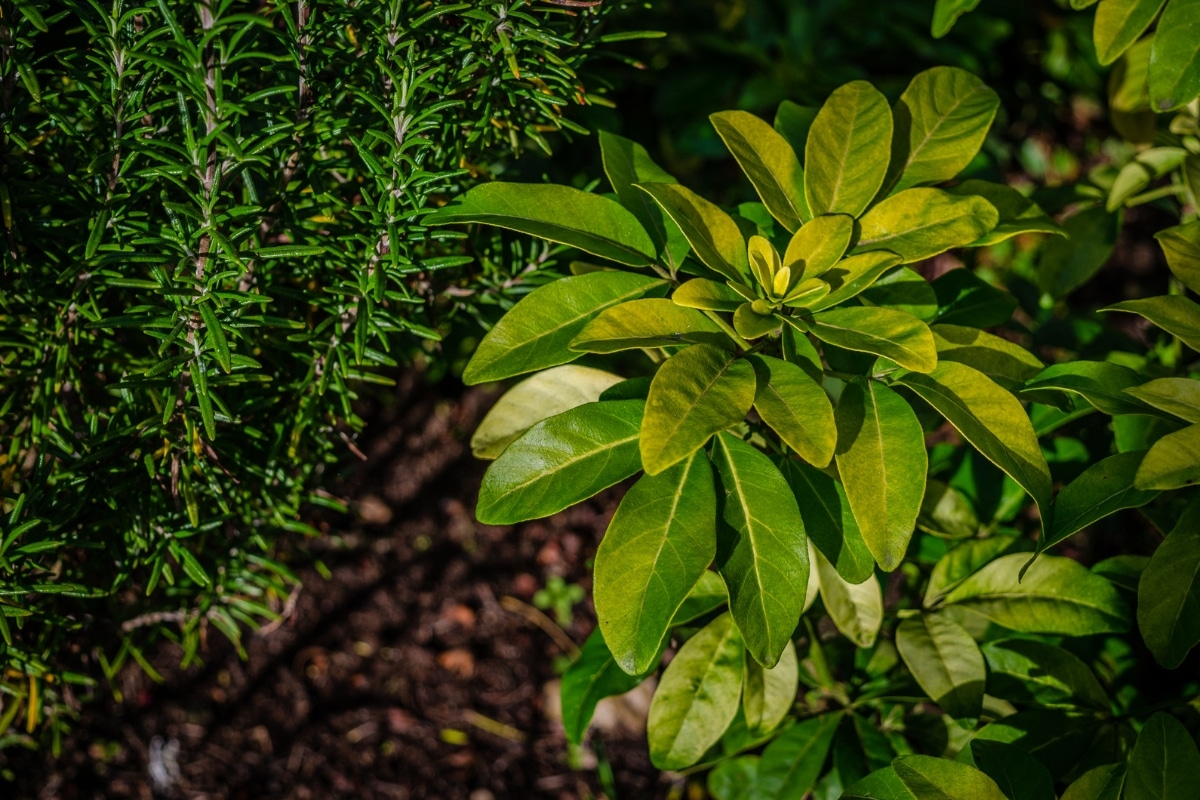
784,424
212,241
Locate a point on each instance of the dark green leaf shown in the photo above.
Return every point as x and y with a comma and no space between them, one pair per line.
590,678
1168,611
1164,764
627,163
1036,673
792,763
592,223
828,520
1104,488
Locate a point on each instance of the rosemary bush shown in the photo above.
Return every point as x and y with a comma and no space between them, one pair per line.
211,241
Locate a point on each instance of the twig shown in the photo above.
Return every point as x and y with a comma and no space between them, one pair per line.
542,621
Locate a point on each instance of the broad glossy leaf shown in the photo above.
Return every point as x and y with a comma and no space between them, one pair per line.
697,697
881,458
1173,461
1164,764
1181,245
706,596
1101,383
1100,783
828,519
627,163
946,512
1019,775
1056,738
793,121
989,418
852,275
1169,592
1104,488
947,12
962,561
1035,673
699,391
534,399
762,551
713,235
591,678
792,763
768,694
964,299
1001,360
590,222
1175,314
945,661
930,778
1123,571
1118,25
707,294
658,545
1179,397
1174,75
1067,263
819,245
769,162
1056,596
750,324
796,407
920,223
941,121
1018,214
733,778
535,333
887,332
846,155
855,608
648,322
882,784
561,461
905,290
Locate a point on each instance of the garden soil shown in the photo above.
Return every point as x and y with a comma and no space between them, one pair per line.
419,669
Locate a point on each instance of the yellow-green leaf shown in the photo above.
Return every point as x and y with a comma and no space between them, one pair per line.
1174,75
945,661
886,332
795,407
627,163
536,332
1056,596
534,399
713,235
706,294
769,162
920,223
881,458
1181,245
762,550
1018,214
647,322
697,697
819,245
846,155
1175,314
768,694
658,545
855,608
1179,397
991,419
1118,25
1173,461
941,121
699,391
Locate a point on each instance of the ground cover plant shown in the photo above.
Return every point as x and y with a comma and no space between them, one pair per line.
813,420
212,244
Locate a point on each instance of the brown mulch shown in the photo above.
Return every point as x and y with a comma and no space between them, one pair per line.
408,674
